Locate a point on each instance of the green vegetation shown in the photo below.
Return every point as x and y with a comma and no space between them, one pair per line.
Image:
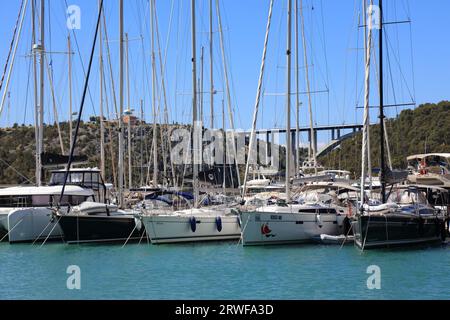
424,129
17,148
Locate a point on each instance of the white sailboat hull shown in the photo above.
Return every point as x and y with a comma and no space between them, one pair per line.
175,229
269,228
29,224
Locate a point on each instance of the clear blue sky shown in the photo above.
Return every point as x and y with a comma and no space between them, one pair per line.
417,66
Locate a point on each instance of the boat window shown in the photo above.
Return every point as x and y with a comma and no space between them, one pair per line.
76,200
41,200
95,177
407,197
15,201
5,201
76,177
57,178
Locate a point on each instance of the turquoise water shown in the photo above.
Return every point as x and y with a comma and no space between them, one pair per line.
221,271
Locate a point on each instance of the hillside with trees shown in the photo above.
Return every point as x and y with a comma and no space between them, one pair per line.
424,129
421,130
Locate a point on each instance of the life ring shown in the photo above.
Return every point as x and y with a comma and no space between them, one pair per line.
219,223
193,223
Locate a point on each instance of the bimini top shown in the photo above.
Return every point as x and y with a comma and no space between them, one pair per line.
46,190
426,155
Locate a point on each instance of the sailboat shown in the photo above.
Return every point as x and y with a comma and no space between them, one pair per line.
287,221
26,212
404,216
92,221
219,222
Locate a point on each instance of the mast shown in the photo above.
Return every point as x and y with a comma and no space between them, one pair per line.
288,100
102,127
258,96
69,50
41,89
224,146
365,138
227,85
130,171
141,124
36,110
120,103
312,141
382,163
211,75
194,105
297,95
155,147
201,85
366,25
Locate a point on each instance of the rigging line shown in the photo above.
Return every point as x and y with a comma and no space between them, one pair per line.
327,71
346,68
24,8
108,53
231,120
357,95
15,170
55,111
230,68
86,85
162,72
111,147
82,65
258,96
277,57
27,91
11,44
400,140
388,42
412,63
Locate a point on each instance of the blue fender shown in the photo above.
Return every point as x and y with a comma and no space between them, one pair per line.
219,223
193,223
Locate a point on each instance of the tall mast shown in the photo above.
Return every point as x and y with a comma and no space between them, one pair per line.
201,84
130,170
365,139
36,110
211,75
367,25
102,127
312,142
224,168
194,105
141,124
155,147
258,96
227,86
120,103
42,87
382,164
288,100
69,50
297,95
